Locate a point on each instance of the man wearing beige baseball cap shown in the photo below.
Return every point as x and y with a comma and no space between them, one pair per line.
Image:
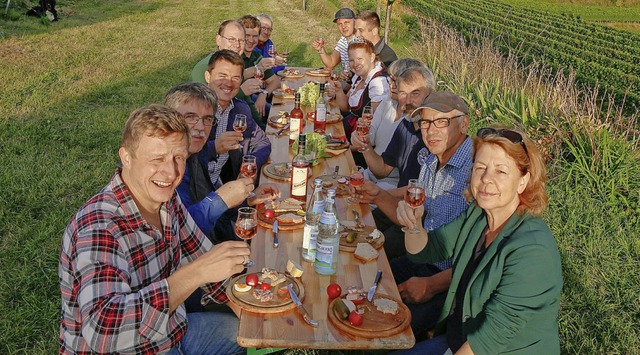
345,19
445,169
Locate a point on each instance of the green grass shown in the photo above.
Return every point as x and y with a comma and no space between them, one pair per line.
68,87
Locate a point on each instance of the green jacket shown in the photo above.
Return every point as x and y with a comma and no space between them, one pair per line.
511,303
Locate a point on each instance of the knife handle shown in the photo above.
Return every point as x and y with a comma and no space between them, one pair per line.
378,275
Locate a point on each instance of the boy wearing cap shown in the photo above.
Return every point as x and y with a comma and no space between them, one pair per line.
445,170
345,19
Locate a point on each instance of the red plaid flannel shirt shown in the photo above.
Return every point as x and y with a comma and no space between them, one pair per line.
113,270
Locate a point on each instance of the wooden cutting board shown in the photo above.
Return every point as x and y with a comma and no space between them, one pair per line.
246,301
361,237
268,222
375,324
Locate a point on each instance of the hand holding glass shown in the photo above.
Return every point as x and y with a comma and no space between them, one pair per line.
247,226
414,197
249,168
356,179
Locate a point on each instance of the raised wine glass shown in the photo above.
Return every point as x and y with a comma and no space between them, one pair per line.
362,128
246,226
367,114
240,124
259,74
272,51
285,54
356,179
249,168
334,75
414,197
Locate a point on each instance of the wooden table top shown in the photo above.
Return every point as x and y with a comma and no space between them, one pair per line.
288,329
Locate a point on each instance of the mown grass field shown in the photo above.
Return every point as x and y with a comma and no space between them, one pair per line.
67,88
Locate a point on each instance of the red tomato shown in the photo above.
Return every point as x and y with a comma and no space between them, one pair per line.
252,280
268,214
265,286
358,300
334,290
355,318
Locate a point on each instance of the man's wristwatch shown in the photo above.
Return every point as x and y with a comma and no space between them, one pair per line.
263,91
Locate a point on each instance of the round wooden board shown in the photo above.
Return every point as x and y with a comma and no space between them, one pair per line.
341,189
283,95
375,324
276,172
334,118
318,72
360,238
275,124
268,222
246,301
290,76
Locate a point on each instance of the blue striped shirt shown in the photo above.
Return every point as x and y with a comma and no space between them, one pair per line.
443,188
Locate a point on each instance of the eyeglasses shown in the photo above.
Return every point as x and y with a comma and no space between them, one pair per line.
233,40
438,122
513,136
207,121
265,28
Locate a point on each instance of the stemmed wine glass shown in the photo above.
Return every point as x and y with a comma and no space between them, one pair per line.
240,124
272,51
362,128
367,114
246,226
414,197
356,179
334,76
249,168
259,74
285,54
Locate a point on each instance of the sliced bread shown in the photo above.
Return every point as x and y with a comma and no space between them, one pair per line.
365,252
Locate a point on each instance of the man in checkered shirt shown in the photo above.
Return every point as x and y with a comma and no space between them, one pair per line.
132,255
446,168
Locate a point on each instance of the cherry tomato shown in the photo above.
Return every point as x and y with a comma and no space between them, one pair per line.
265,286
268,214
355,318
252,280
358,300
334,290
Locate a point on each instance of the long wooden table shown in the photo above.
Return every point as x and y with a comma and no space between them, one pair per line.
288,329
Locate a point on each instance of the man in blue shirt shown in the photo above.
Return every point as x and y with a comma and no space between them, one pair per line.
266,28
443,122
197,103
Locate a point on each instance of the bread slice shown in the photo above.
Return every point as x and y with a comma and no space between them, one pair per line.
385,305
289,218
290,204
365,252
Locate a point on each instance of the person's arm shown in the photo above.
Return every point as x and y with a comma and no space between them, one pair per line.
259,143
422,289
341,98
329,60
377,164
204,212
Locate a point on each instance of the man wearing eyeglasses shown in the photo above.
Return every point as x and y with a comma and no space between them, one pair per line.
230,36
442,119
266,28
198,104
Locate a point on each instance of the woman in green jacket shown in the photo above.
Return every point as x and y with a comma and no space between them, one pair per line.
505,289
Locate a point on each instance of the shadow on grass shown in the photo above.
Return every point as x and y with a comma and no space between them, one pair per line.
53,161
73,14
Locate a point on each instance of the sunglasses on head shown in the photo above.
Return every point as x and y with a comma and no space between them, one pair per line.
513,136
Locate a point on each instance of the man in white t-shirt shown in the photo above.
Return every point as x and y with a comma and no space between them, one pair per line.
345,19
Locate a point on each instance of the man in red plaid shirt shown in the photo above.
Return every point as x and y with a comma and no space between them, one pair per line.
132,255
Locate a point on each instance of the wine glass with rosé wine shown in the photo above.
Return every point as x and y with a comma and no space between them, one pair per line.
414,197
249,168
246,226
356,179
272,51
240,124
362,128
367,114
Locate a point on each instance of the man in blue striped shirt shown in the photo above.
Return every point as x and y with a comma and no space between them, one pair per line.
445,169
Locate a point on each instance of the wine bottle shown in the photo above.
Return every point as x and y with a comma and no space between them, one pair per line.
296,118
299,172
320,119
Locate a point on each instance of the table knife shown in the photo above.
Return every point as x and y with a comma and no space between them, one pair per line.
335,172
373,288
305,315
282,130
275,234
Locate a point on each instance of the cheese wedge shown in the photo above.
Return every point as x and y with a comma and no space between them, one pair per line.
294,269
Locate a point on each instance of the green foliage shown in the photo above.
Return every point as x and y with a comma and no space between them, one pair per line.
361,5
600,56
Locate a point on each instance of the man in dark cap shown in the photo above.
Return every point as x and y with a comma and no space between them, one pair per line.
345,19
446,167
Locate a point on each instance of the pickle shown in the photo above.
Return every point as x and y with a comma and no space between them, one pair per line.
341,309
351,237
